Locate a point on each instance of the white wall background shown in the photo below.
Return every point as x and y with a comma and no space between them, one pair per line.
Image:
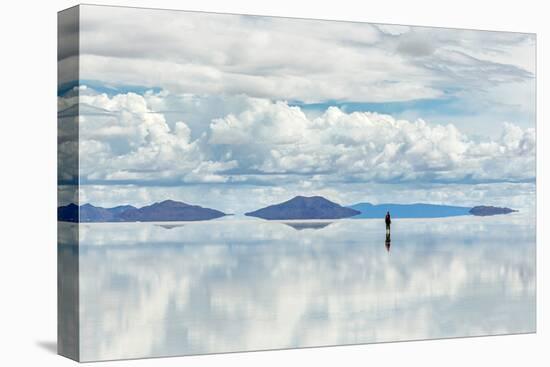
28,183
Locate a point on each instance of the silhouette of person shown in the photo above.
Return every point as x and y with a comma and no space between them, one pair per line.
388,241
388,222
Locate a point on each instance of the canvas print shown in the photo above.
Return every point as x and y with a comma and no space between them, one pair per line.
239,183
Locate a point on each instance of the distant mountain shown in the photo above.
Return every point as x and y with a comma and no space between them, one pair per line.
117,210
90,213
170,210
490,210
301,207
369,210
165,211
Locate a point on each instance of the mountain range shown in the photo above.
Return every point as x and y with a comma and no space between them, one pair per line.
165,211
297,208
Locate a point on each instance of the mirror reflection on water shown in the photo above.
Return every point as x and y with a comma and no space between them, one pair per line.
161,289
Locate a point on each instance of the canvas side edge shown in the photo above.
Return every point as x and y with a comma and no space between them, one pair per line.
68,46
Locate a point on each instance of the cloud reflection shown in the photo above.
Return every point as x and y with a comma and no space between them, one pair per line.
239,285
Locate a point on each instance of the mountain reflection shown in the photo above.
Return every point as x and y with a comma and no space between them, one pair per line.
307,225
169,226
219,286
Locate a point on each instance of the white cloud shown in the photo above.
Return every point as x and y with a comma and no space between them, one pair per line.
263,122
481,77
256,143
280,58
134,143
368,146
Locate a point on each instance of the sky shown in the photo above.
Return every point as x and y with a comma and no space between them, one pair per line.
237,112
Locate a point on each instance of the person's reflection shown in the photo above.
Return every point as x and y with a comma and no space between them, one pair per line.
387,219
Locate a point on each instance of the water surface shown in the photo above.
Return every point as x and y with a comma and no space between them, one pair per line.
161,289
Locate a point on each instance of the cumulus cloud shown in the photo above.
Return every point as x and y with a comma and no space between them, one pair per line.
263,142
134,143
273,137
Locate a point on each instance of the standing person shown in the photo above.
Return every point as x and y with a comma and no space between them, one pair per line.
388,222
